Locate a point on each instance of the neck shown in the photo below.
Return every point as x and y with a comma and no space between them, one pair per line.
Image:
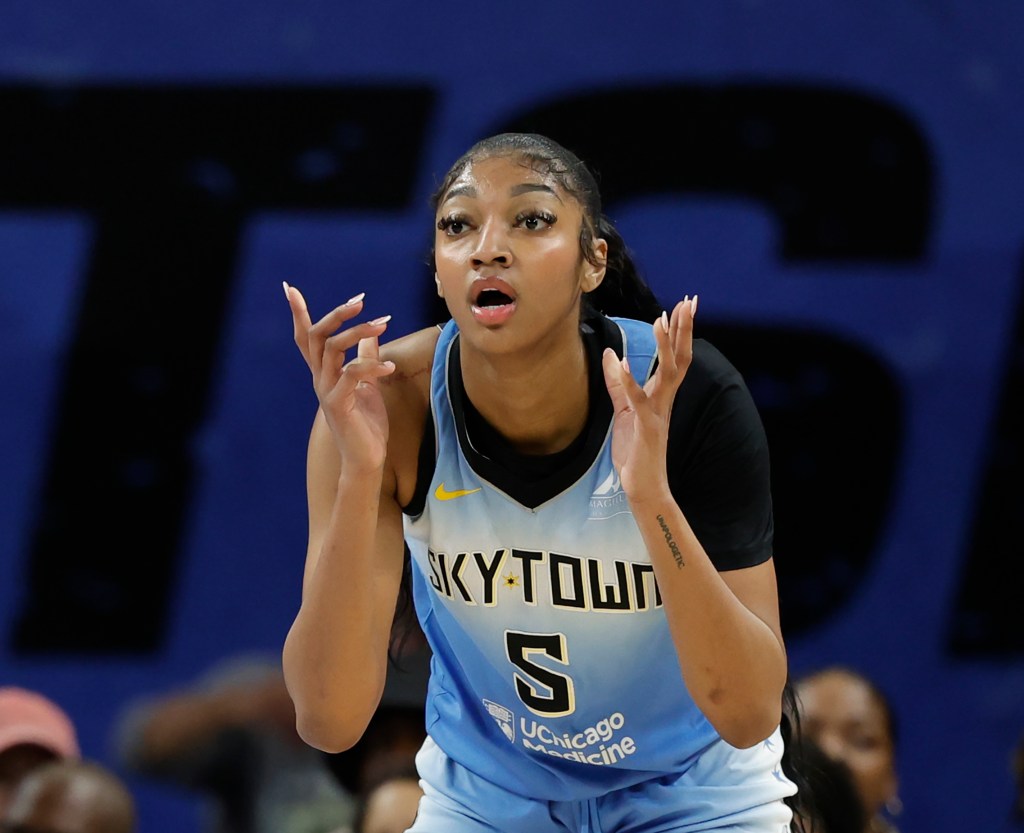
538,401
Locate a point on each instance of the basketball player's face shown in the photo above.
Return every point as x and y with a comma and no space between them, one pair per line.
507,255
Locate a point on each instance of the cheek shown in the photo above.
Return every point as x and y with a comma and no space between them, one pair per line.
446,274
560,264
873,771
452,253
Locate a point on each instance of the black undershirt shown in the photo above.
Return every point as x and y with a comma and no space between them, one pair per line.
717,453
530,479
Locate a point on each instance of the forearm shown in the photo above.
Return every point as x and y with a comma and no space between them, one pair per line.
335,654
176,725
733,663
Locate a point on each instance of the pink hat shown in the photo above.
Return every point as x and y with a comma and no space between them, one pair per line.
29,717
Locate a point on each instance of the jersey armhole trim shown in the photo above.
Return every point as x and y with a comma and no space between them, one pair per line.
426,460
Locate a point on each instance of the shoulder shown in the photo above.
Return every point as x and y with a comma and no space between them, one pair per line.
712,367
413,355
713,382
407,398
714,409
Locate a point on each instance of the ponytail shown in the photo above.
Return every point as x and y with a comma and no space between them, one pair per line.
623,292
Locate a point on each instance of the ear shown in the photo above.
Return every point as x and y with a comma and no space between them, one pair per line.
892,803
593,275
440,289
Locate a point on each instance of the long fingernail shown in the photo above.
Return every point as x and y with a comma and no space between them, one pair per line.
693,306
664,321
286,288
355,299
625,363
382,320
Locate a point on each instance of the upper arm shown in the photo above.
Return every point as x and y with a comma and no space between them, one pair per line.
719,467
719,470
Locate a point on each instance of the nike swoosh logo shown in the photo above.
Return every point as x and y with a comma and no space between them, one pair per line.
443,494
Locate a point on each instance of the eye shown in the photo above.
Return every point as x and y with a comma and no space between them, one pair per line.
866,742
535,220
453,225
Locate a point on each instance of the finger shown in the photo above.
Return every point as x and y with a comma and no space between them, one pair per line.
662,385
666,356
365,369
674,355
300,318
369,348
317,334
337,346
682,337
359,371
630,393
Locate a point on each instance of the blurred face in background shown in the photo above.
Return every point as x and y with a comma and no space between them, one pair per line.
16,763
391,807
843,714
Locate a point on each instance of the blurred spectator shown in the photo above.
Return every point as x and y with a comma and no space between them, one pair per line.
70,796
846,714
828,801
394,736
390,803
231,738
33,731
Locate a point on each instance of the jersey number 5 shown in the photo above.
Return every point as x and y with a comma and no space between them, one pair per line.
543,691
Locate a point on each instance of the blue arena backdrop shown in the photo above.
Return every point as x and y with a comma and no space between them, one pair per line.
841,183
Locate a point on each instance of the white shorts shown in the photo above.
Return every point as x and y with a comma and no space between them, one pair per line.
456,800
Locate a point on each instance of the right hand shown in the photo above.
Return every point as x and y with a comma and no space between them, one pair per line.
349,393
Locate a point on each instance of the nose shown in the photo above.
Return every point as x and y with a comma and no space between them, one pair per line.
492,245
832,745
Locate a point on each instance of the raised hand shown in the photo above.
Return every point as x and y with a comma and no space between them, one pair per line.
640,426
348,391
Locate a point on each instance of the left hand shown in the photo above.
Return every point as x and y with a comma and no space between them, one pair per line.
641,420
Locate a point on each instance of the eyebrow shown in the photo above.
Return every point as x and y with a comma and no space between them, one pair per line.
527,187
515,190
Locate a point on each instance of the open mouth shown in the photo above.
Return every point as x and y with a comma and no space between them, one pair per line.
493,302
493,298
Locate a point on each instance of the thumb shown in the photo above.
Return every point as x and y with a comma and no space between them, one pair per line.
613,379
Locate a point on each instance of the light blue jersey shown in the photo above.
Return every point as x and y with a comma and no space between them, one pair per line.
554,675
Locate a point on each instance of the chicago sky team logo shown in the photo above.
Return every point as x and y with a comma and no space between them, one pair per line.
608,499
504,718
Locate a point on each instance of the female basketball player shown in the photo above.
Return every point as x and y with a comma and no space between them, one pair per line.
590,534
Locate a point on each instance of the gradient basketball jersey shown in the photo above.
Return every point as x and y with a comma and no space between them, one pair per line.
554,674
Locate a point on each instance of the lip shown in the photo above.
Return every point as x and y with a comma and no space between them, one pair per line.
491,316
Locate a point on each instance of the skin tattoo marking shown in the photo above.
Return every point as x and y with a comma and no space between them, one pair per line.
676,554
